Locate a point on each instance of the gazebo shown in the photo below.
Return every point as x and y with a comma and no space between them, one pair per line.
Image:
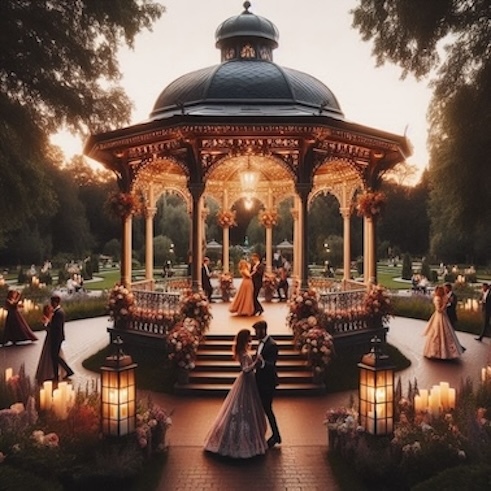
247,129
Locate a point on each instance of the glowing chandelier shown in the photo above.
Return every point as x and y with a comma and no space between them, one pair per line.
249,180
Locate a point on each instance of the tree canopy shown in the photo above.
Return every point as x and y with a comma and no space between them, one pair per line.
449,41
58,69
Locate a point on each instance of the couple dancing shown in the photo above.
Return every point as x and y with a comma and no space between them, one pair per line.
51,355
245,301
239,430
441,341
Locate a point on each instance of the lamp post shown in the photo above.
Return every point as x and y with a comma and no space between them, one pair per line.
118,393
376,391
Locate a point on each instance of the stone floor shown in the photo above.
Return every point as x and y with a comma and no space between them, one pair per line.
300,463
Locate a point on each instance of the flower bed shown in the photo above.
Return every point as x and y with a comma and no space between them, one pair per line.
421,446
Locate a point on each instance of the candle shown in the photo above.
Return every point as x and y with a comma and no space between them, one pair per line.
57,402
418,406
423,393
451,398
8,374
42,399
444,386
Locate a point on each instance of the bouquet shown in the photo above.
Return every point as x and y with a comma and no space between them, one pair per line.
377,305
182,345
317,345
303,305
195,305
121,304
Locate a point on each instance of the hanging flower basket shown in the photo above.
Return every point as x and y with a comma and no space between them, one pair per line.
227,218
370,204
268,218
122,205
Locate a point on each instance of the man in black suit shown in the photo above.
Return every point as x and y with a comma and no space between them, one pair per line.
206,278
257,272
57,333
451,307
267,377
485,301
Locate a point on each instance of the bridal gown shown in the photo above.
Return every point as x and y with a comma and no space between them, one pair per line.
441,340
240,427
243,303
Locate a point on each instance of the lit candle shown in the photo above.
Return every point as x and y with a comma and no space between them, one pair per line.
451,398
42,399
444,386
418,406
57,402
8,374
423,393
483,375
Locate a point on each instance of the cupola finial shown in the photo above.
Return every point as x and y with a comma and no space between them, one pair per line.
247,6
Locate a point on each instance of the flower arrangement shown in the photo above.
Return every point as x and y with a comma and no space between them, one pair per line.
303,305
195,305
270,285
156,320
226,284
378,307
182,345
152,423
122,204
338,320
317,345
121,305
227,218
370,203
268,218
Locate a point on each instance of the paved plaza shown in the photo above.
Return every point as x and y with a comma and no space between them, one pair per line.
300,463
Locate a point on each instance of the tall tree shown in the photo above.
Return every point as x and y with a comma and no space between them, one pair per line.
58,69
414,34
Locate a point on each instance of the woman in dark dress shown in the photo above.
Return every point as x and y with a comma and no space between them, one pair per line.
16,328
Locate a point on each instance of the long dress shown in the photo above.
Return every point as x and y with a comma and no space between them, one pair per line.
16,328
240,427
243,303
45,365
441,340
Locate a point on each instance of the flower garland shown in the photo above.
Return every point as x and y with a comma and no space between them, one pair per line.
121,304
122,204
182,346
195,305
268,218
370,203
227,218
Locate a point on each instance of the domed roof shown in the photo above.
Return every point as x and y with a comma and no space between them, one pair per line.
247,82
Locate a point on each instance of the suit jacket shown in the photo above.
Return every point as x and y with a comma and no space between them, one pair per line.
257,272
451,307
205,279
57,326
486,304
267,376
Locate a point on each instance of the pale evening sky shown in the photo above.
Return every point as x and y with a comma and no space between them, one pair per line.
315,37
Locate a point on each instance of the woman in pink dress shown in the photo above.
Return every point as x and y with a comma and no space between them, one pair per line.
243,303
240,427
441,341
16,328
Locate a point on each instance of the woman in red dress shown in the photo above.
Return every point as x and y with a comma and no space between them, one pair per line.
16,328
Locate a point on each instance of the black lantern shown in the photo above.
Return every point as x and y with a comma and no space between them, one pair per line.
376,391
118,393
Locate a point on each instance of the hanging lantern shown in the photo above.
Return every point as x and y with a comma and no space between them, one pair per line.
249,180
376,391
118,393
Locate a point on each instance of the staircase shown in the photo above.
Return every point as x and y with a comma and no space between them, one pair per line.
216,370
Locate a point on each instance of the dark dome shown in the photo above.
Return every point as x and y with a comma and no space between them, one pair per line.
246,25
247,82
246,87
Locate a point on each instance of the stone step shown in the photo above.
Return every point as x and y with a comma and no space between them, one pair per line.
221,355
232,365
222,377
284,389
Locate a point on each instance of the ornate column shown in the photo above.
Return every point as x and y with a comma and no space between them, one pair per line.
126,247
345,213
303,190
269,235
196,190
366,275
226,237
371,250
296,236
149,216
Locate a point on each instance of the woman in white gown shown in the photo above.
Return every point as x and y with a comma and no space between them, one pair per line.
240,427
441,341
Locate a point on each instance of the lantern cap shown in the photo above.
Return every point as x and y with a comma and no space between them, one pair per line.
118,358
376,358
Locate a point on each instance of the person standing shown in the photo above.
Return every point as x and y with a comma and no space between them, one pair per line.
57,333
243,303
441,341
16,328
240,426
485,301
206,278
282,284
257,272
451,307
267,376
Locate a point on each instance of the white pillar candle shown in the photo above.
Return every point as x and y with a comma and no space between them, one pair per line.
8,374
423,393
418,403
451,398
42,399
444,386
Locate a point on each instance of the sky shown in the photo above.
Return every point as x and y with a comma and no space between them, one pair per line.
315,36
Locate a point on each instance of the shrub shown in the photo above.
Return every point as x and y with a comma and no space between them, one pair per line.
407,267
